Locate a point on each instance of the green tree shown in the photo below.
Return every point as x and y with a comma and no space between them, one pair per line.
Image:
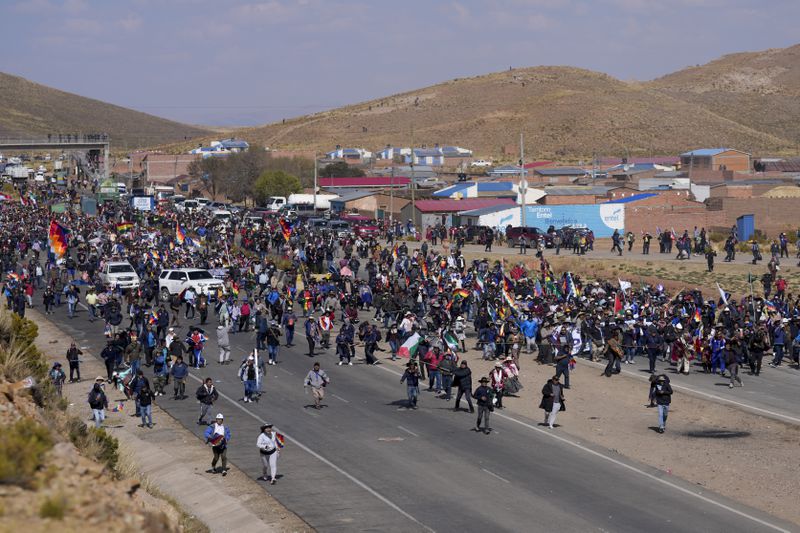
340,169
275,183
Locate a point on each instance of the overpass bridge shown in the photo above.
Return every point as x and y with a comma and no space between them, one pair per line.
65,142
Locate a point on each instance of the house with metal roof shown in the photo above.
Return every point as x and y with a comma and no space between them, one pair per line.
506,170
716,159
371,182
435,211
478,190
351,155
391,152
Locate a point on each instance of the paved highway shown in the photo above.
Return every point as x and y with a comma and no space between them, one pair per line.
365,463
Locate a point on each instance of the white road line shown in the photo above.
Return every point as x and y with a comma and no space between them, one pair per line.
645,474
322,459
340,398
504,480
401,428
284,370
773,414
630,467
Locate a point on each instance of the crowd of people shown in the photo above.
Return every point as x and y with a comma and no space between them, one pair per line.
424,302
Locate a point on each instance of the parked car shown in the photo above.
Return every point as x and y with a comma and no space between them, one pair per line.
481,163
187,206
119,274
367,230
341,227
531,234
175,281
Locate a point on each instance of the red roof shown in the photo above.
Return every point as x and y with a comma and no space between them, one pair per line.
535,164
366,181
450,205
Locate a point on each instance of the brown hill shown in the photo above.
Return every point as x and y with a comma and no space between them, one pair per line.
29,109
760,90
570,113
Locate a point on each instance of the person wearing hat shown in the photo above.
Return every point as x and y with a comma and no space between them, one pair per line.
759,343
273,341
498,381
57,377
317,379
98,402
411,378
614,353
663,396
717,346
206,394
462,377
268,450
250,373
552,401
483,395
312,333
218,435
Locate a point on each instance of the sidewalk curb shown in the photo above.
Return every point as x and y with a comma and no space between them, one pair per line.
172,474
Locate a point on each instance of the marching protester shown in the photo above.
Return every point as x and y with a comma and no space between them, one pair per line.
663,396
552,401
268,444
317,380
206,394
218,436
483,396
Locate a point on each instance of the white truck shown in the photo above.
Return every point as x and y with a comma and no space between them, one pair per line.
119,274
18,171
175,281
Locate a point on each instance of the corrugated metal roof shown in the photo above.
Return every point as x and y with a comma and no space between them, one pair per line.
352,195
562,171
449,206
537,164
490,186
453,189
486,210
596,190
632,198
707,152
367,181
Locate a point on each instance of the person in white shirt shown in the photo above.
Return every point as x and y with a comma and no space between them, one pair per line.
268,450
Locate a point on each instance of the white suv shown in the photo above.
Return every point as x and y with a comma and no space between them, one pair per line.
175,281
119,274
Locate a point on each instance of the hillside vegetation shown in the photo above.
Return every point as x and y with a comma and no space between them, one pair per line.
748,101
29,109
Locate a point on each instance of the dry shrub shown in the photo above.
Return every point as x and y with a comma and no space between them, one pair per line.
22,450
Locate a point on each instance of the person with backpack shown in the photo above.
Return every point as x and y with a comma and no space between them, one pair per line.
98,402
144,399
206,394
57,377
196,341
273,342
250,373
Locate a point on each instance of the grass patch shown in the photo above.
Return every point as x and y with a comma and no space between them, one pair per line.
94,443
22,450
53,507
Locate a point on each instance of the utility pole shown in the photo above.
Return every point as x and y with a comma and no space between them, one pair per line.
413,182
523,183
391,196
315,182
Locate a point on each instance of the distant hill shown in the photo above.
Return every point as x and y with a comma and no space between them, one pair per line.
29,109
747,101
759,90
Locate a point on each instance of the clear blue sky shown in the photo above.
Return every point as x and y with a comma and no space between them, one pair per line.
239,62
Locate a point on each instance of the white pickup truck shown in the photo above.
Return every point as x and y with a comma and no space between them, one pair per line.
175,281
120,274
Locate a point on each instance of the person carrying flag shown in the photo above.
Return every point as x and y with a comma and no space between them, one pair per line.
218,435
268,443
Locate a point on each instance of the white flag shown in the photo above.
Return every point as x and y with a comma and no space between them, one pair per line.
722,294
624,285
